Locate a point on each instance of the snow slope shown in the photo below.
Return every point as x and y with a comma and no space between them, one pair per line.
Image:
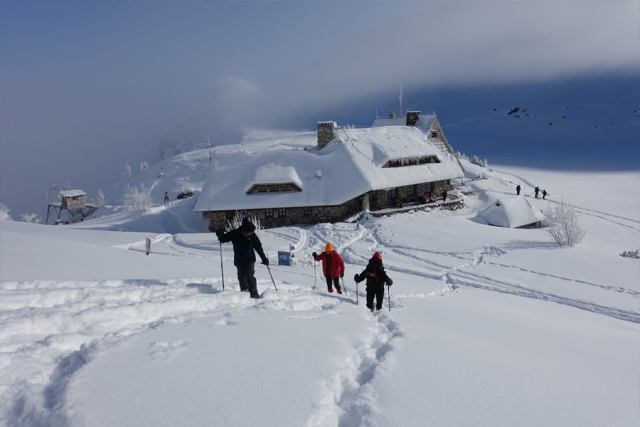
488,326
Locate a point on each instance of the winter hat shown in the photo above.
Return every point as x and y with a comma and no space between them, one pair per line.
247,226
377,256
329,247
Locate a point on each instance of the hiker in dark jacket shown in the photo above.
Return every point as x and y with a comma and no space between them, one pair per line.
245,242
376,279
518,189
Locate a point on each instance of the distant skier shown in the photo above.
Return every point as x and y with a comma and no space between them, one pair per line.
245,242
544,194
376,279
444,196
332,266
518,189
166,196
537,190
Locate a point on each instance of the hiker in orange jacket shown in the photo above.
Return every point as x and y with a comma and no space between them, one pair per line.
332,266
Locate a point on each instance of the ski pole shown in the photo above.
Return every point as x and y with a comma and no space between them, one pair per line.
344,287
357,303
274,282
221,266
315,275
389,296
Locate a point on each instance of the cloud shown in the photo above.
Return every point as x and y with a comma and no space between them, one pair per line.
477,43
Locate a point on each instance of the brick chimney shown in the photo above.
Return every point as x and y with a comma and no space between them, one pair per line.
412,117
325,134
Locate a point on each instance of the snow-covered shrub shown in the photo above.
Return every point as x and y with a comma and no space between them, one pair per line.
236,222
127,172
562,224
144,166
481,175
138,199
32,217
4,212
631,254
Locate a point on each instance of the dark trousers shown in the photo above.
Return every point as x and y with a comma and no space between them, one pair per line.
336,282
247,280
378,294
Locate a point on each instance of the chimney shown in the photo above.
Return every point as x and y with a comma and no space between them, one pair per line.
325,133
412,117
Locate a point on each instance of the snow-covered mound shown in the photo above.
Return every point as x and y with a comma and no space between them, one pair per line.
511,212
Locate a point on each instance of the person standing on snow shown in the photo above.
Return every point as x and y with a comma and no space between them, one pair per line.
537,190
544,194
166,196
376,279
245,242
518,189
332,266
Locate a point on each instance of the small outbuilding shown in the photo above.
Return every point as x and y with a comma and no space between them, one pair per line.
72,199
512,212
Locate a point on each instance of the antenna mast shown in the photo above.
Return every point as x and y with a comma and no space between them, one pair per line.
400,100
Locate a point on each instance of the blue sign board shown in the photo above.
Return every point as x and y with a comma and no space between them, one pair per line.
284,258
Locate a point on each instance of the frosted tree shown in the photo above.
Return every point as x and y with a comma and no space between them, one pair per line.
32,217
138,199
144,166
100,199
562,224
4,212
127,172
236,222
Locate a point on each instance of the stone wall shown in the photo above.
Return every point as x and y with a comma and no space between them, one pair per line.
377,200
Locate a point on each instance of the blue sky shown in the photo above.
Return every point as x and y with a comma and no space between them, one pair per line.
88,86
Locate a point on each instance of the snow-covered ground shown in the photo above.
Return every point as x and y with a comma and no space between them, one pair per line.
486,326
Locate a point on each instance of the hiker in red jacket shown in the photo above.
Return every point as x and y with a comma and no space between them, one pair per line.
332,266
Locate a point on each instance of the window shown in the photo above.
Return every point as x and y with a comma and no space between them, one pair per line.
411,190
282,212
307,211
286,188
274,188
392,193
243,213
428,187
261,189
268,213
230,215
434,134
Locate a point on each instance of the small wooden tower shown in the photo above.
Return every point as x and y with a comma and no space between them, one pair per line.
72,201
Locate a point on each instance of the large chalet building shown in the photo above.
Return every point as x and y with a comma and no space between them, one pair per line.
333,174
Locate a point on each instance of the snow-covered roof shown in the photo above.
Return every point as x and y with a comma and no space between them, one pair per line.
350,165
72,193
275,173
511,212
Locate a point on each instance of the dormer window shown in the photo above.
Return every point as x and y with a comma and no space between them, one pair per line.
273,188
411,161
434,134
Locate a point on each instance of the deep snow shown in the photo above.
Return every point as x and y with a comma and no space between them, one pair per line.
488,326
